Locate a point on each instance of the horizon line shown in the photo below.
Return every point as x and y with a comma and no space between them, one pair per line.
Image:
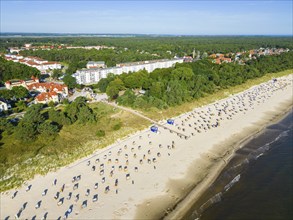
150,34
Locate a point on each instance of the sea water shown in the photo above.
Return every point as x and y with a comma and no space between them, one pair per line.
257,182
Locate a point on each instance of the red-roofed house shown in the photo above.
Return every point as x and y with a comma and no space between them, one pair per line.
49,91
45,87
46,97
24,83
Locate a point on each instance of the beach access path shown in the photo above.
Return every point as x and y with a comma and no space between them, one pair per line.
132,111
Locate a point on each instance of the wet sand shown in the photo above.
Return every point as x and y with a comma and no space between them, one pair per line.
144,176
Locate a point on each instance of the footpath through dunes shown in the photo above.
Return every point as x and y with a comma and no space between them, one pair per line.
162,125
147,174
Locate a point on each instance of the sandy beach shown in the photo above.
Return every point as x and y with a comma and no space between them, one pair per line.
144,176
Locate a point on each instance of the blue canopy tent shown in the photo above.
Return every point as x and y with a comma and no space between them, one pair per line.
154,129
170,121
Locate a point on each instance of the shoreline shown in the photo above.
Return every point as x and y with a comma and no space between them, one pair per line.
191,197
155,170
176,209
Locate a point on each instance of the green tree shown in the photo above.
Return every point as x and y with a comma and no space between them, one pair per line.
58,117
127,99
86,115
56,73
25,131
6,126
33,114
72,111
20,106
114,87
132,81
182,73
102,84
48,129
11,70
176,92
156,89
6,94
51,104
20,92
65,101
70,81
79,110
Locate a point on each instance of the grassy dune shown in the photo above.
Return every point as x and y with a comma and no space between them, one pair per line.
21,161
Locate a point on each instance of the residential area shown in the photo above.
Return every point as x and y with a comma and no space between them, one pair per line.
29,46
242,57
50,90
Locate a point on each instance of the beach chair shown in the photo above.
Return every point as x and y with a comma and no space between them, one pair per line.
84,204
60,202
107,189
101,172
87,192
95,198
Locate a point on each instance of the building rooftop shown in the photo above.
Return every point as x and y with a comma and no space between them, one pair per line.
96,62
45,96
49,86
142,62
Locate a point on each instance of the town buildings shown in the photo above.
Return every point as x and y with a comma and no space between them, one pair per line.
93,75
12,83
89,47
242,57
42,65
46,97
50,47
46,92
49,92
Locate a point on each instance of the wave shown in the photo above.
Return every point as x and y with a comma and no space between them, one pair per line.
232,183
215,199
261,150
242,159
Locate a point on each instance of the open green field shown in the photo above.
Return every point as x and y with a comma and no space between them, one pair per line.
22,161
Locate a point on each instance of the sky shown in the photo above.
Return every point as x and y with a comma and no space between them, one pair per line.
234,17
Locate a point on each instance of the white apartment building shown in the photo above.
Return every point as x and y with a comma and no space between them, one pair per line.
93,75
